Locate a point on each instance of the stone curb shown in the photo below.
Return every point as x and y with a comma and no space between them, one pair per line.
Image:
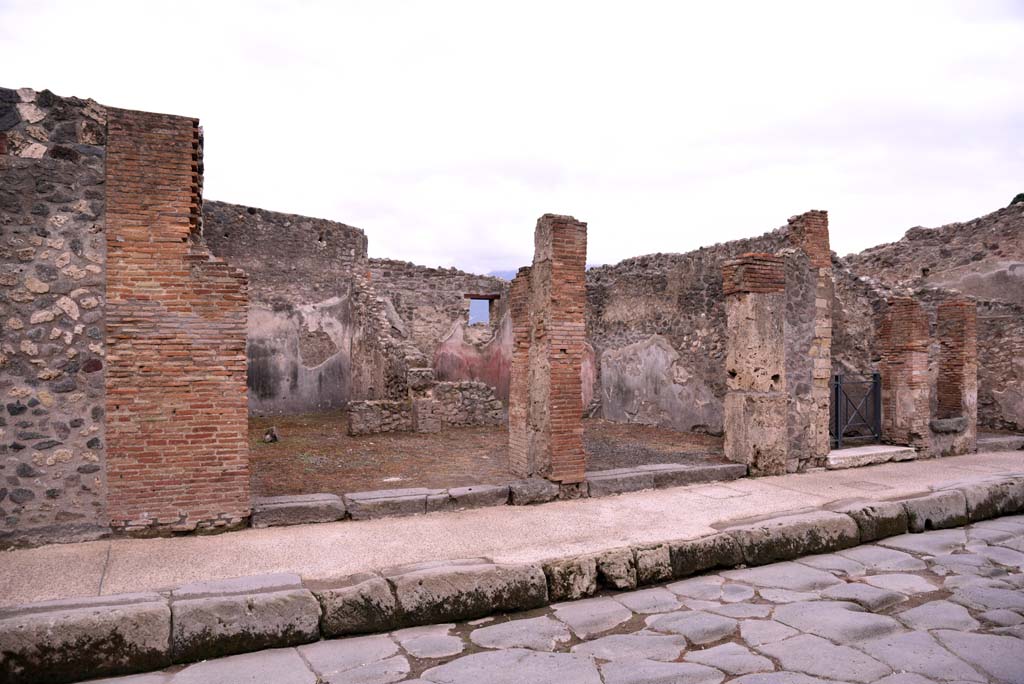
60,641
388,503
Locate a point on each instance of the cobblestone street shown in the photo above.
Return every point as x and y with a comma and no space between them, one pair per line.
942,606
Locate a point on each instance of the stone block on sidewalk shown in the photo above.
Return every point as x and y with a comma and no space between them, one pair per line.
429,593
791,536
479,496
387,503
59,641
936,511
358,604
876,519
532,491
692,556
619,481
224,617
297,510
571,578
992,498
616,569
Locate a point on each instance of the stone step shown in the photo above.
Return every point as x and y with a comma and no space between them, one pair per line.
1000,442
855,457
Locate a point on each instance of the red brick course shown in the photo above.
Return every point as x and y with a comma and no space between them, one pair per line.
903,340
957,384
519,395
177,454
809,232
754,272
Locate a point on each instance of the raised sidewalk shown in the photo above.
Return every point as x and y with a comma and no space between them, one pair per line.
506,534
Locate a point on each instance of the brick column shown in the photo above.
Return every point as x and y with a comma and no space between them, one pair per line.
756,399
957,385
906,393
518,392
176,413
551,443
809,415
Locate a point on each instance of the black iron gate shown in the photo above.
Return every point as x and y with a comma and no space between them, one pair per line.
856,414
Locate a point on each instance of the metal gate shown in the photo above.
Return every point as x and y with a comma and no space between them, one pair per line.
856,414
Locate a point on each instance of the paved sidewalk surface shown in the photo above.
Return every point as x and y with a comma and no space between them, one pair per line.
508,534
944,606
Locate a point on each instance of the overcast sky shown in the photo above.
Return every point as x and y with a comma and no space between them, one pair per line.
445,129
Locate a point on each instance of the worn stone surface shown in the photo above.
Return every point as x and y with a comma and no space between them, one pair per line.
592,616
356,605
329,657
835,620
792,576
607,482
538,634
936,511
386,503
653,564
57,641
882,559
632,646
901,582
645,601
285,666
816,656
919,653
532,491
642,671
572,578
795,535
516,665
698,627
731,658
616,569
757,632
877,519
429,641
870,597
297,510
706,553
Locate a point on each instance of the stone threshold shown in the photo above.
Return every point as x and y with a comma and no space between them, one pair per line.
855,457
63,641
1000,442
386,503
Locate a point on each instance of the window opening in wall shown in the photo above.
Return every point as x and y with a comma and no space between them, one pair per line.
481,307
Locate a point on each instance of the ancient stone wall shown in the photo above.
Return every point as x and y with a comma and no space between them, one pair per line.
176,327
1001,365
301,322
430,301
434,406
906,386
52,298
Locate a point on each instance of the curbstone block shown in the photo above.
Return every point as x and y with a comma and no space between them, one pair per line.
479,496
691,556
876,519
61,641
674,475
616,569
359,604
430,593
992,499
790,536
619,481
571,578
532,491
936,511
387,503
653,564
297,510
219,618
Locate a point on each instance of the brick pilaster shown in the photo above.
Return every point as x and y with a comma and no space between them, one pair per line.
518,394
176,392
906,392
957,385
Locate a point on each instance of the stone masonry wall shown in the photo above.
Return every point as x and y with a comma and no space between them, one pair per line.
52,318
301,323
176,328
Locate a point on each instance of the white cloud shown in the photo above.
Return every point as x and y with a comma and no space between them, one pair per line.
445,129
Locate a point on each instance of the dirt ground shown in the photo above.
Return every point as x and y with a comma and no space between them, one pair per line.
315,454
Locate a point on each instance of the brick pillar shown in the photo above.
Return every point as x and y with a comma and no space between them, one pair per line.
549,443
518,392
809,414
906,393
176,414
756,399
957,385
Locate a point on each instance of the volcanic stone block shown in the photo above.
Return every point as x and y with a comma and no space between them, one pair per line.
877,519
792,536
535,490
59,641
213,619
616,569
571,578
756,433
696,555
297,510
674,475
479,496
619,481
359,604
431,593
992,499
653,564
936,511
386,503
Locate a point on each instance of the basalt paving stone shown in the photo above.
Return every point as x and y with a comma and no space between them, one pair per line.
782,678
281,666
732,593
654,672
835,563
901,582
626,646
1003,556
707,588
786,595
345,654
732,659
430,641
920,653
876,558
938,615
540,634
515,666
988,598
698,627
786,575
592,616
697,604
387,671
657,600
1002,617
930,543
835,620
905,678
869,597
742,610
818,657
757,632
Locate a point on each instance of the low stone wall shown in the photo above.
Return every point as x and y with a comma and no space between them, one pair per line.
447,404
379,415
468,403
60,641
